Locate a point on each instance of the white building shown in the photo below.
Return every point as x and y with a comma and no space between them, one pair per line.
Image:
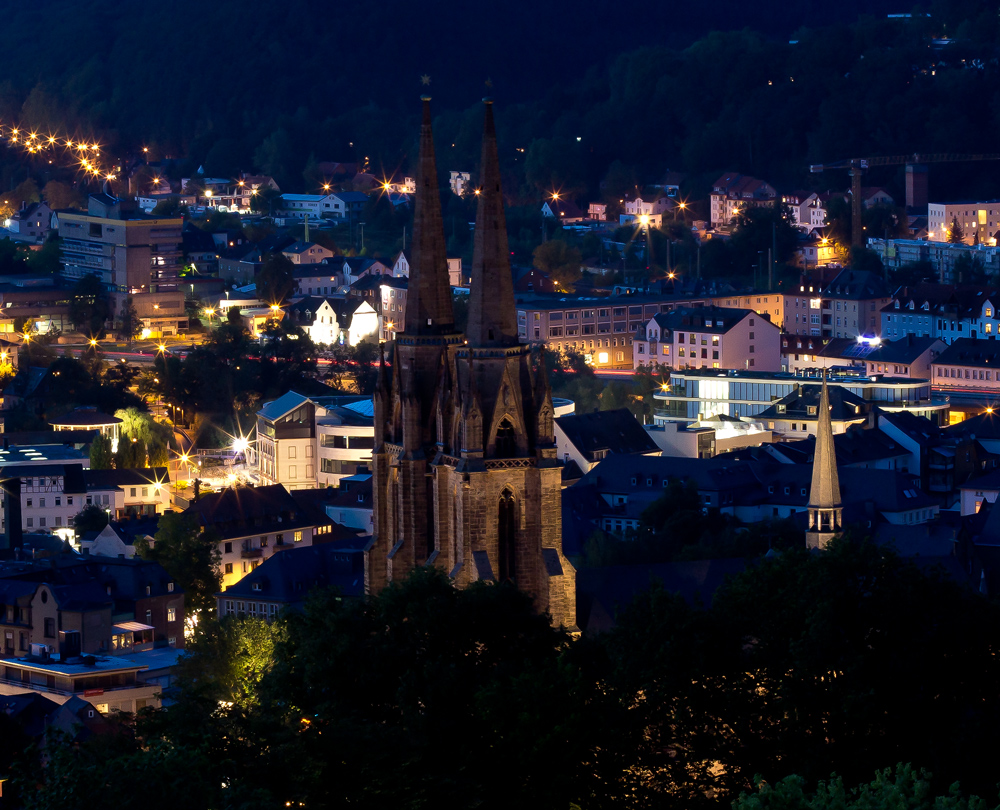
305,442
458,182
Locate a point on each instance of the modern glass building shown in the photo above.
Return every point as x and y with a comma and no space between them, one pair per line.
704,393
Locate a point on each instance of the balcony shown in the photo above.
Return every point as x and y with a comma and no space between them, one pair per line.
251,553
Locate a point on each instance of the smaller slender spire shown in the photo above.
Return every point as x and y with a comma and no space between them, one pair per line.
428,299
825,491
492,316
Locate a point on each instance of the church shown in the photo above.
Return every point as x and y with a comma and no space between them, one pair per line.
464,468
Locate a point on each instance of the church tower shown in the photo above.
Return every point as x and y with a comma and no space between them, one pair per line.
825,509
479,493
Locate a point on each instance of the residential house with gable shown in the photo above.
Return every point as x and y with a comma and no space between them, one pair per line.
709,337
253,523
732,190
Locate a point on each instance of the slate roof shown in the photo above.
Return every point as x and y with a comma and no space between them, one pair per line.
109,479
971,352
616,431
905,350
242,511
856,285
855,446
844,406
289,577
714,320
85,417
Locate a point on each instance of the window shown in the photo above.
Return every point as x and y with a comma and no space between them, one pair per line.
170,587
291,452
227,548
229,568
58,501
50,628
298,537
30,522
41,521
171,614
41,503
69,500
132,492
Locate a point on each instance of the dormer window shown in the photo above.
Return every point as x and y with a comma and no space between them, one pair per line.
897,305
812,410
989,312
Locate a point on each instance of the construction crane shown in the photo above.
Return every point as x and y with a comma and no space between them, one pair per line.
855,167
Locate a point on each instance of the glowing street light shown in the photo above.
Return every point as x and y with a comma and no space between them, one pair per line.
241,444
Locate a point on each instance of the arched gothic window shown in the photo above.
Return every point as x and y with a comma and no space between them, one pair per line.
506,444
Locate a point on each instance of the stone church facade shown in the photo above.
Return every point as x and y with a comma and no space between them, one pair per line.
465,472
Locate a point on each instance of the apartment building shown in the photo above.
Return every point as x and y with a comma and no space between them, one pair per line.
979,221
848,306
709,337
601,328
731,191
132,254
944,311
968,363
941,255
305,442
779,308
254,523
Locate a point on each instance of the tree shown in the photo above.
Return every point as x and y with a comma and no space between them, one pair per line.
101,457
167,207
955,232
560,261
47,261
90,519
865,260
903,786
129,325
191,557
61,195
276,278
89,306
228,659
144,442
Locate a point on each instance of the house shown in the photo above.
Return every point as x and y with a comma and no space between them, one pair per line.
285,581
979,221
401,266
800,351
968,363
352,504
708,337
458,182
944,311
587,438
976,491
306,253
33,223
850,305
796,414
732,190
200,249
294,431
908,357
597,212
254,523
561,209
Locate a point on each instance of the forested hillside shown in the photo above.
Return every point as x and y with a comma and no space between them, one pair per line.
583,89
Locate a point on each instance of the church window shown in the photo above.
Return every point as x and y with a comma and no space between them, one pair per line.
506,442
506,537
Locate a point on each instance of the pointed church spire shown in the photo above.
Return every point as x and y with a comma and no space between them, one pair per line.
492,319
428,298
825,491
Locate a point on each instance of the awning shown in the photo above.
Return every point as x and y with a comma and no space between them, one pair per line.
130,627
